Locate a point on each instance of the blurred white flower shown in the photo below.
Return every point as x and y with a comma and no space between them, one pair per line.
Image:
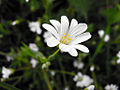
118,61
14,22
82,80
92,68
27,0
35,27
111,87
9,58
33,47
46,36
45,65
68,36
91,87
78,64
118,54
33,62
52,73
66,88
6,72
101,34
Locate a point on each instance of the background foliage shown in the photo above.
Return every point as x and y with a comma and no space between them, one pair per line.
14,40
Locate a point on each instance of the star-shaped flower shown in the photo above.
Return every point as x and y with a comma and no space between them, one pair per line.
67,36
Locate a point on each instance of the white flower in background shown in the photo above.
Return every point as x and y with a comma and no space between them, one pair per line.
6,72
35,27
118,61
52,73
82,80
92,68
91,87
33,62
46,35
45,65
67,36
66,88
27,0
78,64
111,87
118,54
9,58
14,22
33,47
101,34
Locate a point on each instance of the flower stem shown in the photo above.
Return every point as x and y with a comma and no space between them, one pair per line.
53,54
47,79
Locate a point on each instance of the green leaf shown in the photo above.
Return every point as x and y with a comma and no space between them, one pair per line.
8,86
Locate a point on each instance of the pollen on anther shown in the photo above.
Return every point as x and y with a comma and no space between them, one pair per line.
69,39
68,34
64,33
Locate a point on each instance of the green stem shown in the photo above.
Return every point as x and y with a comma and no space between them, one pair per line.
53,54
47,80
65,72
101,43
95,81
2,53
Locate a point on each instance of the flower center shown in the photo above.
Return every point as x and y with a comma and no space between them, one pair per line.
65,39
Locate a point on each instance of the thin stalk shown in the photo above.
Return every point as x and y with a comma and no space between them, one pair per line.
53,54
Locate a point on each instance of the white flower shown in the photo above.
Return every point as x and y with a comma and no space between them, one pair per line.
6,72
33,47
33,62
52,73
91,87
67,36
9,58
111,87
14,22
101,34
35,27
66,88
118,54
82,80
92,68
46,35
118,61
78,64
27,0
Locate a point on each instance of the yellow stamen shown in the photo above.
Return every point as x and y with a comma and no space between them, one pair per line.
63,37
63,41
68,34
64,33
69,39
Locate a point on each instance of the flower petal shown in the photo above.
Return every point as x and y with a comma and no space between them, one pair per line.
74,22
52,41
64,24
79,29
81,38
56,24
73,52
81,48
51,29
64,47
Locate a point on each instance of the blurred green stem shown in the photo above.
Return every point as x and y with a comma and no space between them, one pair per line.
52,55
101,43
65,72
95,81
47,79
2,53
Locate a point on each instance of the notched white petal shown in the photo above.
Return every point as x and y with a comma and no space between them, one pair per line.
64,24
81,38
52,41
56,24
73,52
51,29
82,48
